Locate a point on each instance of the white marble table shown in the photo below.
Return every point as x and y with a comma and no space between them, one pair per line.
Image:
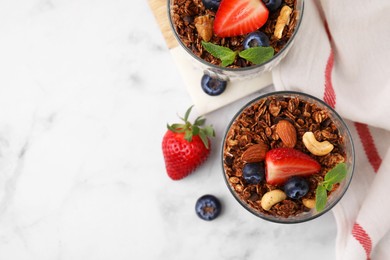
86,89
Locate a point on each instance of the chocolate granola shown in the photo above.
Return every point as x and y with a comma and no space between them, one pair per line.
185,12
257,124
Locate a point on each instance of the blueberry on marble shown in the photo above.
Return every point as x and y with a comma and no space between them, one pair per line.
208,207
272,5
296,187
212,86
253,173
256,39
211,4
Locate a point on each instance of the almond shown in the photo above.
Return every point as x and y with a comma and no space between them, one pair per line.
287,133
255,153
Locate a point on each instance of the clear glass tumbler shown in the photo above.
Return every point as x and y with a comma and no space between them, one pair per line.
225,73
347,148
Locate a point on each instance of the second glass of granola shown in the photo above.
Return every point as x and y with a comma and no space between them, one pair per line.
287,157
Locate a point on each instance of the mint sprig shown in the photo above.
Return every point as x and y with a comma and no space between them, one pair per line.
256,55
334,176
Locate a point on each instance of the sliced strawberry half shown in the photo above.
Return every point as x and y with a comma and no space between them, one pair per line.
282,163
238,17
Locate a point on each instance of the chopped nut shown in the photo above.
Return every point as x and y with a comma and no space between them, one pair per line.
204,26
309,203
283,20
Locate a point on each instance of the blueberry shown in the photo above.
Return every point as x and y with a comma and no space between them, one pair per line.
253,173
211,4
272,5
212,86
256,39
296,187
208,207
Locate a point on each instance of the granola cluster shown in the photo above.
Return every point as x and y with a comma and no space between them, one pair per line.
185,12
257,124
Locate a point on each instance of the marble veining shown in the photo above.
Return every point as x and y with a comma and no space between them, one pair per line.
86,89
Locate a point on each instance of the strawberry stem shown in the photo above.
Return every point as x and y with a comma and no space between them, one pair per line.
190,130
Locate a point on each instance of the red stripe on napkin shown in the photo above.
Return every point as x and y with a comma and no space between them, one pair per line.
327,30
364,239
329,95
369,145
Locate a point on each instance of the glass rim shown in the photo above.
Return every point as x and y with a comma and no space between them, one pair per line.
217,67
293,219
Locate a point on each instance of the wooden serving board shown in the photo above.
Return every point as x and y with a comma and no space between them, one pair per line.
160,11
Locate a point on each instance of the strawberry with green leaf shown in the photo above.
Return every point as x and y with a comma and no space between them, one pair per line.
185,146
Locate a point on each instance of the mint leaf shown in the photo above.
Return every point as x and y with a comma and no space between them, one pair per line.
321,197
328,186
226,55
257,55
337,174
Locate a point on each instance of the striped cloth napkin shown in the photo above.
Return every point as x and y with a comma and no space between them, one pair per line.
342,55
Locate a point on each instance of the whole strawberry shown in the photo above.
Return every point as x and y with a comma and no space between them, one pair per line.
185,146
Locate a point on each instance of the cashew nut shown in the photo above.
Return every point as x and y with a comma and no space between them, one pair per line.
315,147
271,198
309,203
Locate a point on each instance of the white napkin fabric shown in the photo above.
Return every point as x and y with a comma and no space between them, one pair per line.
192,73
342,55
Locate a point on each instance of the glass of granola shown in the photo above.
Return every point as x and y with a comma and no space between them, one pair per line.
231,39
287,157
